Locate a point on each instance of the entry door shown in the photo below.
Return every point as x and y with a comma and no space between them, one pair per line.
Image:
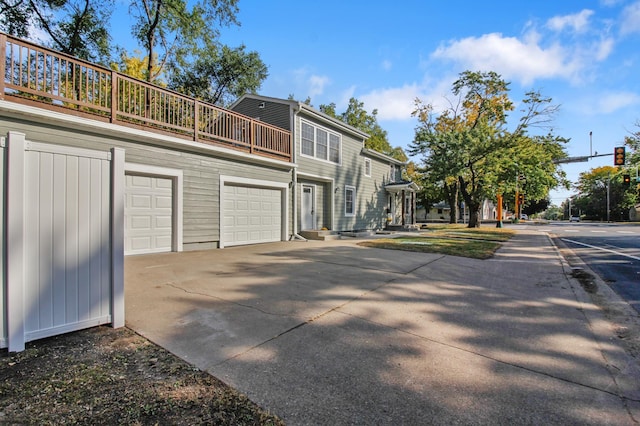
308,207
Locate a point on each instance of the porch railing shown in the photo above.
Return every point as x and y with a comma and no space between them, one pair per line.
39,76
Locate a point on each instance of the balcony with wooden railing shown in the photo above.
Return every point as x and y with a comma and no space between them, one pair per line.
35,75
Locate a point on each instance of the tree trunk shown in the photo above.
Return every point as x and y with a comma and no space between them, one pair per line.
474,215
451,192
472,204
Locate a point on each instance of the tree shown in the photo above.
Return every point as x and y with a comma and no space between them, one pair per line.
602,187
75,27
357,116
175,30
469,143
220,75
135,66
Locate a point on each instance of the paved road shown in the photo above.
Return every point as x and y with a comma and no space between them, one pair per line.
611,250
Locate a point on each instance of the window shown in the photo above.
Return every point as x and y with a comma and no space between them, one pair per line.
367,167
392,173
334,148
307,139
349,201
320,143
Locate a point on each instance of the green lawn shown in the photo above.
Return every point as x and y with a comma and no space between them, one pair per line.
453,240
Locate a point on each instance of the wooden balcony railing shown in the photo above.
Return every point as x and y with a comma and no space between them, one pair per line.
53,80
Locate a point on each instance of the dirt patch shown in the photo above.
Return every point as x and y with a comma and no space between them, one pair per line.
107,376
586,280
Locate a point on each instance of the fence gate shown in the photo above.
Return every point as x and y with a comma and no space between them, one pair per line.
64,239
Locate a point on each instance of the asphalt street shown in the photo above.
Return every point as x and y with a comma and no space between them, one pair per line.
610,250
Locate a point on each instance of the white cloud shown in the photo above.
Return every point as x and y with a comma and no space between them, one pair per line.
387,65
630,19
612,102
317,84
525,60
310,84
397,103
392,103
578,22
604,48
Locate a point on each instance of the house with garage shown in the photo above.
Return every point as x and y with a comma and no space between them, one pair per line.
96,166
338,184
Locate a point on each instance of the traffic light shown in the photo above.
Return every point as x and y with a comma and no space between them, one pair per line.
521,199
618,156
626,180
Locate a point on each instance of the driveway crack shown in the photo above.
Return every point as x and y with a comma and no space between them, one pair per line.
244,305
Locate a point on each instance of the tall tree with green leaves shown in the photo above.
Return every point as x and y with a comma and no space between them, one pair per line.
75,27
220,75
601,188
175,30
470,142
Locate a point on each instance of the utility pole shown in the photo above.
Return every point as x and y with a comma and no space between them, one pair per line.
608,208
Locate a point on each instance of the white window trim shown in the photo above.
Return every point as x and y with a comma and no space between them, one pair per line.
315,141
352,189
367,167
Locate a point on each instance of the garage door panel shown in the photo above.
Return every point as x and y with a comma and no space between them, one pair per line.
254,216
163,202
163,222
140,222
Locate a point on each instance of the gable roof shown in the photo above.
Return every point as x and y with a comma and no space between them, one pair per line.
383,157
298,106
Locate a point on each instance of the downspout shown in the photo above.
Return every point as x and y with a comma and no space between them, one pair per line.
294,180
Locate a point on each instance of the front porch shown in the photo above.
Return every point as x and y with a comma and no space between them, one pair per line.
401,209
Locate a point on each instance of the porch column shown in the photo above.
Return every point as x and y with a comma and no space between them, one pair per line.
413,208
404,210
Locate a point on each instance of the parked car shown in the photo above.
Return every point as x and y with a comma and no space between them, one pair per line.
524,217
574,219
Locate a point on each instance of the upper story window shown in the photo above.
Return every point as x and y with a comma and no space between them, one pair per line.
395,173
320,143
367,167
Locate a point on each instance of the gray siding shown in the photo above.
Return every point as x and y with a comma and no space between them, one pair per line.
370,193
201,173
274,113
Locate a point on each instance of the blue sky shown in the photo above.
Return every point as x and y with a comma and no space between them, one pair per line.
583,54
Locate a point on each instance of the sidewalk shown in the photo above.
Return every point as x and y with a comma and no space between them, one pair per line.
333,333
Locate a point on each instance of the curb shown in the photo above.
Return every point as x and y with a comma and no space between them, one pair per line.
609,325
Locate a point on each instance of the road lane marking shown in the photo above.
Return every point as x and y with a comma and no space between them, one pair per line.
601,248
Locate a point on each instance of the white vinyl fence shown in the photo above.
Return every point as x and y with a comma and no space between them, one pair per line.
63,239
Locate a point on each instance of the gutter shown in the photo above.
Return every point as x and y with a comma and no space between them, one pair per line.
294,182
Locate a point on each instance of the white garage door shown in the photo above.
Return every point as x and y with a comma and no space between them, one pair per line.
251,215
148,214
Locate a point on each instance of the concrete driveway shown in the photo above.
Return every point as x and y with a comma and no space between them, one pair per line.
333,333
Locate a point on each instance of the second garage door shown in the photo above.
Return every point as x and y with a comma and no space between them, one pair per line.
251,215
148,214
